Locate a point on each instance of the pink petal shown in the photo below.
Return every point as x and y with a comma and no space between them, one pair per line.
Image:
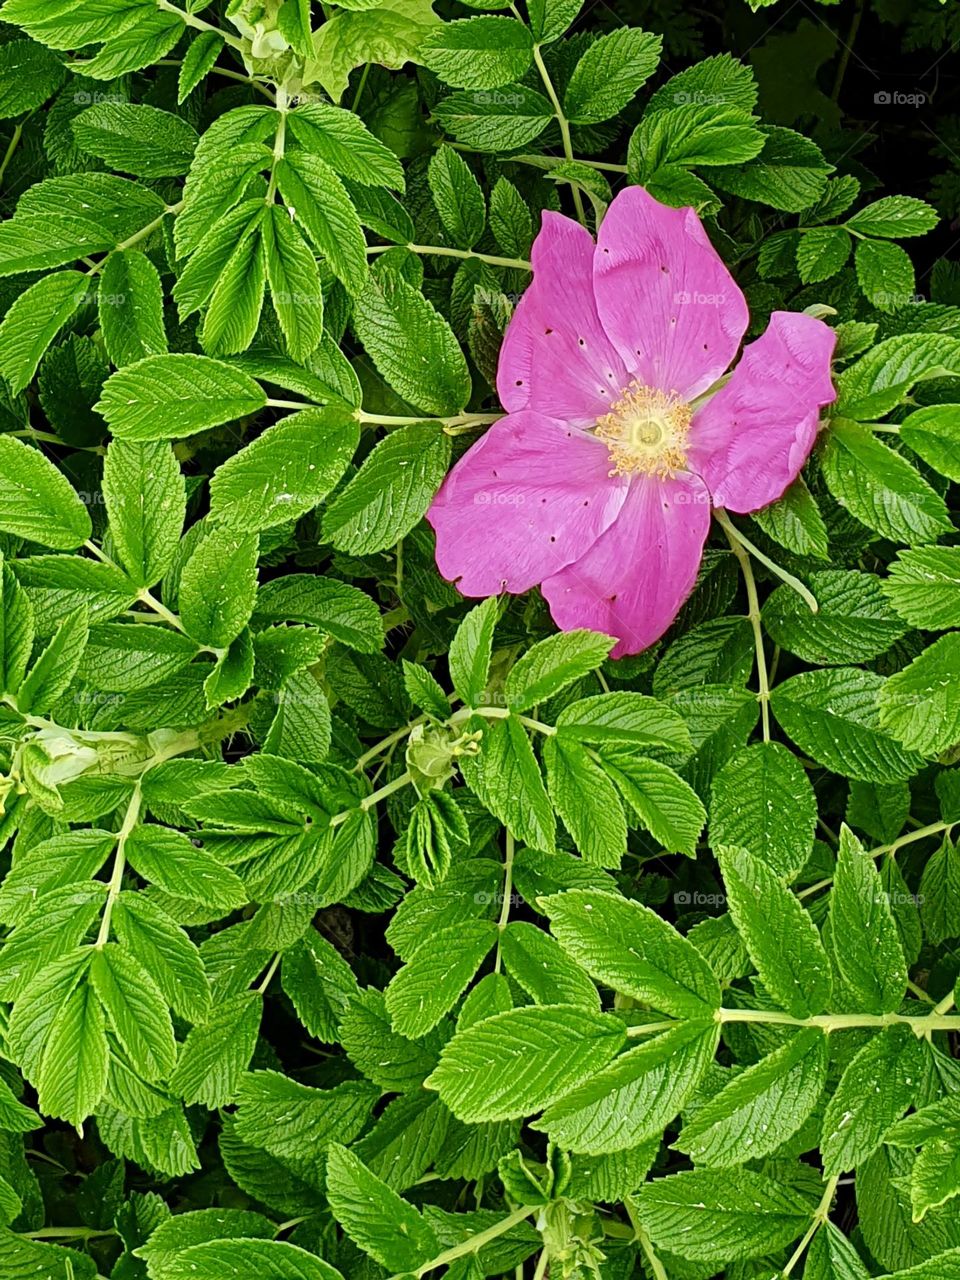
751,439
555,356
633,580
670,306
529,497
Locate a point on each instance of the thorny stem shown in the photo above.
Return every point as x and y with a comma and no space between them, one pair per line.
820,1216
562,122
753,614
443,251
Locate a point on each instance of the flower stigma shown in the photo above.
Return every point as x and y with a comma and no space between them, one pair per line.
646,431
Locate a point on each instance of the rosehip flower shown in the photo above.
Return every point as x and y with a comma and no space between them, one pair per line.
621,430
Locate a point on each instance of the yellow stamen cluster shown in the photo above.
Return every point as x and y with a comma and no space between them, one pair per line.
646,430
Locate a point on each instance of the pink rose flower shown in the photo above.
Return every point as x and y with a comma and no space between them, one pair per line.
621,431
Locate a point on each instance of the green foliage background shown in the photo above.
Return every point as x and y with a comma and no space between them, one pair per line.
354,929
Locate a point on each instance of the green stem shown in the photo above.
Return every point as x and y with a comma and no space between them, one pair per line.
268,976
731,531
368,802
279,145
455,420
830,1022
847,50
562,122
130,820
360,87
753,614
443,251
921,833
67,1233
136,237
921,1024
507,894
12,146
198,24
820,1216
379,747
224,71
475,1242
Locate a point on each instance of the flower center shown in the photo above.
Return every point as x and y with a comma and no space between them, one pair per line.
646,430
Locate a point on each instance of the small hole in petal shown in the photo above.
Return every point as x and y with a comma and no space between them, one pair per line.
548,331
519,382
581,342
552,538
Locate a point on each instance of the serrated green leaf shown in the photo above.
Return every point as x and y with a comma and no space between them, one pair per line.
879,487
628,947
506,778
636,1096
761,1107
664,802
470,652
866,942
146,505
168,397
707,1214
920,705
790,959
136,1011
391,319
218,586
520,1061
854,623
875,1089
390,492
136,139
763,802
503,120
587,801
34,320
457,194
610,72
933,433
436,975
285,472
833,715
215,1054
37,501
